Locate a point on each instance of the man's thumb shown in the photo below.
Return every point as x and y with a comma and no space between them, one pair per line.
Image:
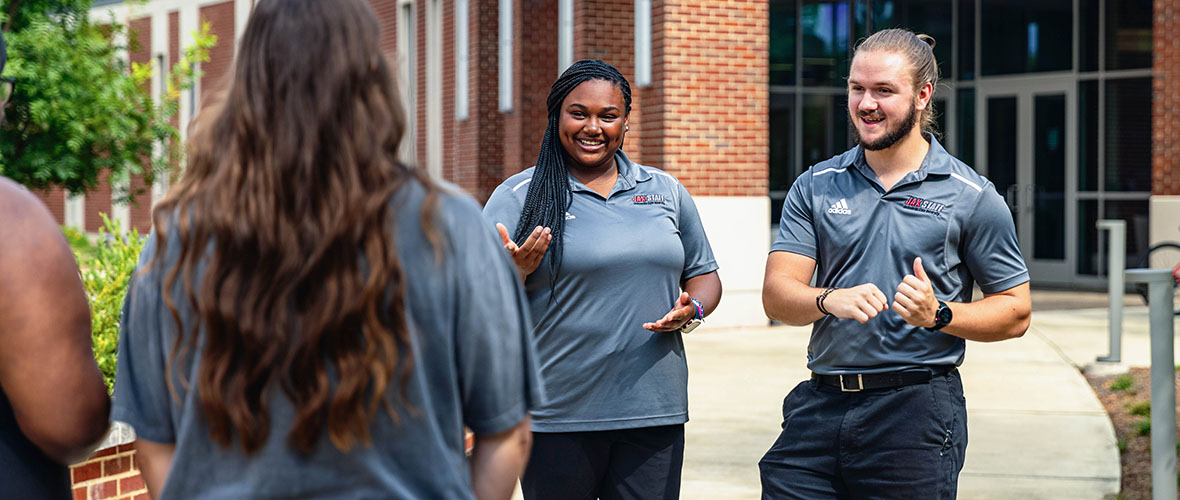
919,271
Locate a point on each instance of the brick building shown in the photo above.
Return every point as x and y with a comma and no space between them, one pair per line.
1048,98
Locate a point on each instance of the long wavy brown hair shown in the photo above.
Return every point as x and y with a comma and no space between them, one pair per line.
286,206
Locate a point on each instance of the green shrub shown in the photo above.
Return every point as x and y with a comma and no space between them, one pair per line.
1122,445
1122,383
1143,427
1141,408
106,270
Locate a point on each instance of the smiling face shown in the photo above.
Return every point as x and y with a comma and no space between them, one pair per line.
882,104
592,124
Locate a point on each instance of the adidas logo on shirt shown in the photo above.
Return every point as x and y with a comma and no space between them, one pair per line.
840,207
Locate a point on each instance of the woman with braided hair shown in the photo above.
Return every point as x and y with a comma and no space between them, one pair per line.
616,266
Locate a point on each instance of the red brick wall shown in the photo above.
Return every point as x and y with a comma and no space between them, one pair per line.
707,110
110,473
98,200
449,149
54,199
387,16
1165,149
141,205
221,56
534,68
605,29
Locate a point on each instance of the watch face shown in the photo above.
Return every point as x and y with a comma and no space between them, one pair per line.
691,325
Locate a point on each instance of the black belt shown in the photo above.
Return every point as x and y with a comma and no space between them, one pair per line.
855,382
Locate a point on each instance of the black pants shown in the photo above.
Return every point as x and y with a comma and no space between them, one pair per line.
642,463
904,443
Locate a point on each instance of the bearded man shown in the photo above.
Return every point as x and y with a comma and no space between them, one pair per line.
883,415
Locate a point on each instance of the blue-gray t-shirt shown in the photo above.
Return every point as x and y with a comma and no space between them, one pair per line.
473,364
839,214
625,259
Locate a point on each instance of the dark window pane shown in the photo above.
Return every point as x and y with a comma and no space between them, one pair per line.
825,43
1026,36
966,49
932,17
1088,237
1088,132
782,42
1135,213
1049,177
1001,147
1128,135
782,134
1088,35
825,127
966,119
1128,34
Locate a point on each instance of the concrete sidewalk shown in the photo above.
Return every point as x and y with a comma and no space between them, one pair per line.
1036,429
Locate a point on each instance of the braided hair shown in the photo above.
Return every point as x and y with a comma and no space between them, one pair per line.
549,194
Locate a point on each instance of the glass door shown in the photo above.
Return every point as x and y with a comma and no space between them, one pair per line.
1028,149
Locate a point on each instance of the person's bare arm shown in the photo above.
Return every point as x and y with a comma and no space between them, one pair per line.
787,294
47,366
154,460
498,460
998,316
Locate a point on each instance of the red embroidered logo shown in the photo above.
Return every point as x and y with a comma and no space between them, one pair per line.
927,206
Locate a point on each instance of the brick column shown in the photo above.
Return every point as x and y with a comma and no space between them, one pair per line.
711,94
140,211
534,68
1165,150
605,29
221,56
479,146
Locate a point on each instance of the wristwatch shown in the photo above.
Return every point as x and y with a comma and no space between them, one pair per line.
942,317
696,320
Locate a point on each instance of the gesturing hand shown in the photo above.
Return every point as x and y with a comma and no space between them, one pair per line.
527,256
681,312
915,300
861,302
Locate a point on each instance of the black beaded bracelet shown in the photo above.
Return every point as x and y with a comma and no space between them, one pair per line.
819,300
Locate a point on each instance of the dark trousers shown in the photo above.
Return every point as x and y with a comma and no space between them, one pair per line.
642,463
905,443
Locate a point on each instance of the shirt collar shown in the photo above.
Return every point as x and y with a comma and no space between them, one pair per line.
629,175
937,161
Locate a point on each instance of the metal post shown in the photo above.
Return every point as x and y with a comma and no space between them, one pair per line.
1163,380
1117,258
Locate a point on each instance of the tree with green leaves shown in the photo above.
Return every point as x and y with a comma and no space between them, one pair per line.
79,107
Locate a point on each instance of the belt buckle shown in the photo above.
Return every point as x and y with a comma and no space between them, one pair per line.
860,384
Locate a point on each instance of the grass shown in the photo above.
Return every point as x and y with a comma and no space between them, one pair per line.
1143,427
1122,383
1141,408
1122,445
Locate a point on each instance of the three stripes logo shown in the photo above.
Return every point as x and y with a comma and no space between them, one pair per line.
840,207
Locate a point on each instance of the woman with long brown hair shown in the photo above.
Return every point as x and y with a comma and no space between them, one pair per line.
312,318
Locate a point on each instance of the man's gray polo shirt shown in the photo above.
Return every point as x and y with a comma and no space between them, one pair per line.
839,214
624,261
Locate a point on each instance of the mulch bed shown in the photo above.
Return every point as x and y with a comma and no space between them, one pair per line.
1127,399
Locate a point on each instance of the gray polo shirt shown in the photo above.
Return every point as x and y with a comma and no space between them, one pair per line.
839,214
473,365
625,259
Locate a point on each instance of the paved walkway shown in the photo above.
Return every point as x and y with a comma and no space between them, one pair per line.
1036,428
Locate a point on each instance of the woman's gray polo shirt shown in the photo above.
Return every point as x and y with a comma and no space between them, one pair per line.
625,259
473,364
839,214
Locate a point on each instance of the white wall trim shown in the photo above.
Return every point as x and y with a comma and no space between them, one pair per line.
462,58
642,75
738,231
505,55
434,88
565,35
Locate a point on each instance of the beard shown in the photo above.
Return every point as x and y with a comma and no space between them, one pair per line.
892,136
